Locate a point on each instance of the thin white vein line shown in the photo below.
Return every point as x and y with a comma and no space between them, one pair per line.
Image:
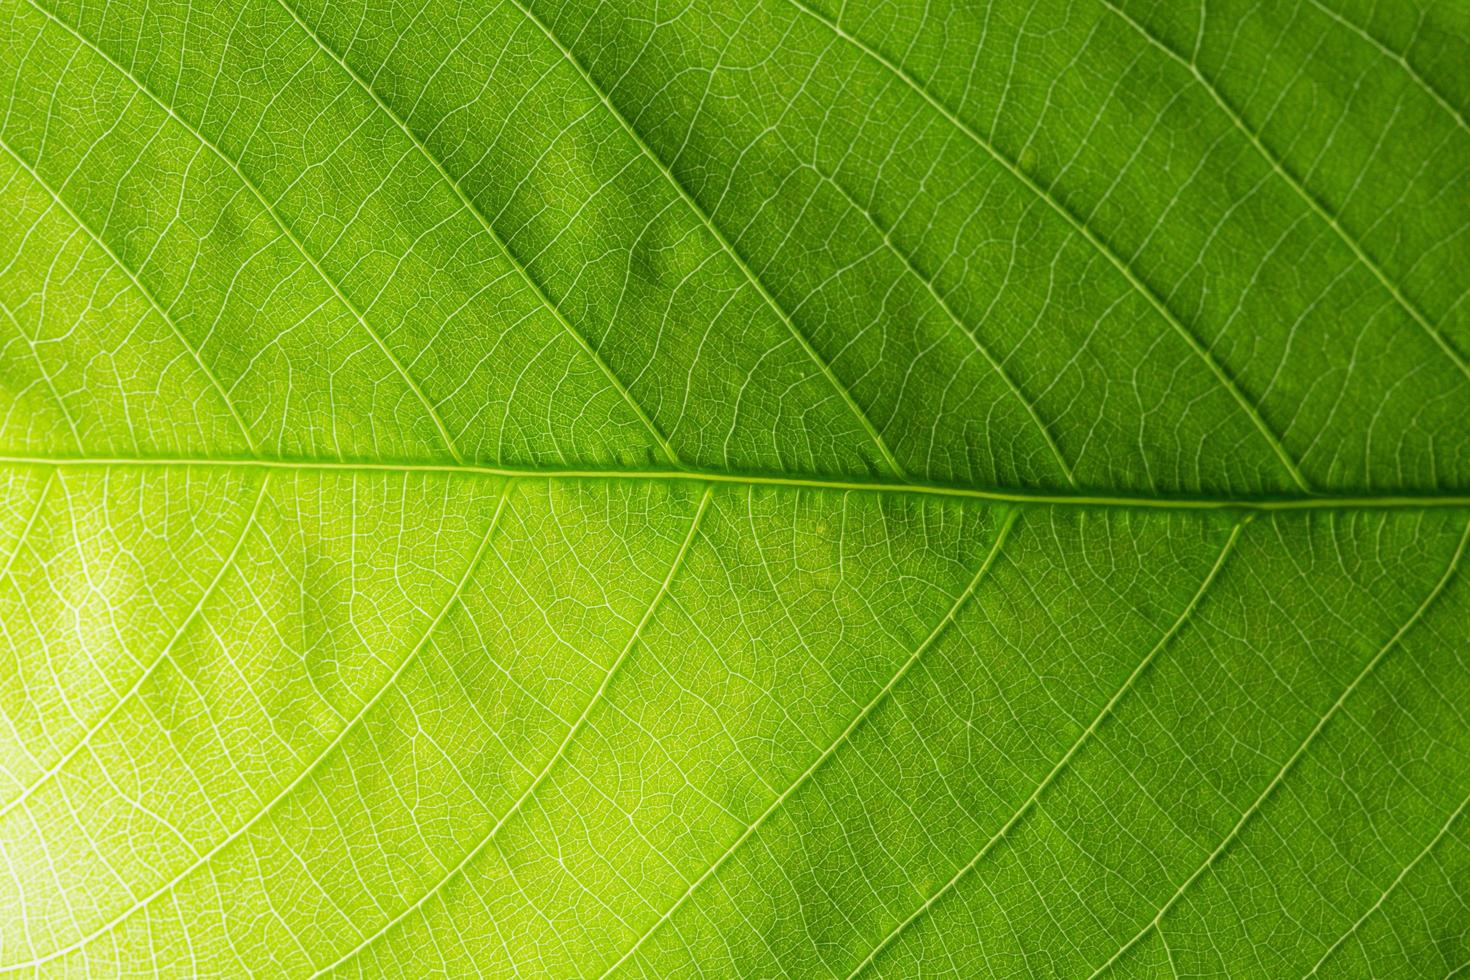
972,333
724,243
1401,59
643,416
1302,502
1279,166
147,294
163,655
20,542
1392,885
279,222
25,532
1286,767
103,930
1005,529
515,807
34,345
1103,249
1066,758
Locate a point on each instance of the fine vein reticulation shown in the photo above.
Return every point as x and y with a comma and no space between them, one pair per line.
795,488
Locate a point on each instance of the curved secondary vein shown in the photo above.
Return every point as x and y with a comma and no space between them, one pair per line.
1291,761
1278,165
984,351
1004,531
143,676
1401,60
561,749
729,249
1066,758
471,566
147,294
1398,879
1081,228
50,383
25,532
500,243
279,222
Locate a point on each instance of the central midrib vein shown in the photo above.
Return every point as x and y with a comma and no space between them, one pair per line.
1325,501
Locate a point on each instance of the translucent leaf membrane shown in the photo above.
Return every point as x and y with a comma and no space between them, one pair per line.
783,489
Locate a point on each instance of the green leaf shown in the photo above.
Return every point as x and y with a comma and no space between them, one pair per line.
551,487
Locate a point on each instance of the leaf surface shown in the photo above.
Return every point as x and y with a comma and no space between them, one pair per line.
550,487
